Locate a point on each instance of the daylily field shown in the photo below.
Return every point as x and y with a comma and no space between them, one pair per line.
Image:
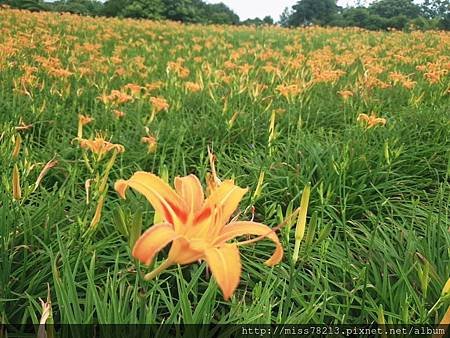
155,172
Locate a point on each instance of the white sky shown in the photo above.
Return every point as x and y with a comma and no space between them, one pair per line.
260,8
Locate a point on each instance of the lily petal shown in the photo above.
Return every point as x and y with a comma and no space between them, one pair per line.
236,229
190,189
227,197
183,251
152,241
225,265
160,195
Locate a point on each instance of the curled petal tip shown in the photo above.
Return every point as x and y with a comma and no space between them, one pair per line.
121,187
274,260
276,257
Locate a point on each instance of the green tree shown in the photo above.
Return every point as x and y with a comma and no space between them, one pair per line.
253,22
268,20
356,17
114,7
146,9
438,10
220,14
444,22
84,7
285,17
394,8
376,22
435,8
306,12
182,10
31,5
398,22
361,17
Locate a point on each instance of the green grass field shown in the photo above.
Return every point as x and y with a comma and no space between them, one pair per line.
265,100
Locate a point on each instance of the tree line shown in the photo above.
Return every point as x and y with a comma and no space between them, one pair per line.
379,15
193,11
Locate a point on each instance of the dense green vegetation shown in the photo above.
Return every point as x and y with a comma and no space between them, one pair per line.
179,10
362,116
379,15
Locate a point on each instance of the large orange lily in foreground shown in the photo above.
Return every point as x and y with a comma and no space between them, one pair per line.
198,228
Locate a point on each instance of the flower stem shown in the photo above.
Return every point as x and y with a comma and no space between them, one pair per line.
158,270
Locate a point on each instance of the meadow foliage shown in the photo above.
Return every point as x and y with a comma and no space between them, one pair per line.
346,127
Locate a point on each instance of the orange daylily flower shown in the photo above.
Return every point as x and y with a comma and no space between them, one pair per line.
134,89
289,90
154,86
159,103
100,146
193,87
196,227
345,94
84,119
118,113
371,120
151,142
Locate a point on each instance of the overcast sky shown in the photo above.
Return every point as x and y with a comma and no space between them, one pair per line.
260,8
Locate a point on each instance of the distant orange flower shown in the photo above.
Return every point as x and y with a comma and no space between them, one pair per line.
178,68
154,86
345,94
229,65
270,68
409,84
289,90
371,120
327,75
134,89
85,119
82,121
116,97
59,72
151,142
434,76
193,87
158,104
245,68
118,113
403,79
100,146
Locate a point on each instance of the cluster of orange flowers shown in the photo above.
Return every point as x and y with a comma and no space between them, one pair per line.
116,98
178,68
100,146
159,103
289,90
372,120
